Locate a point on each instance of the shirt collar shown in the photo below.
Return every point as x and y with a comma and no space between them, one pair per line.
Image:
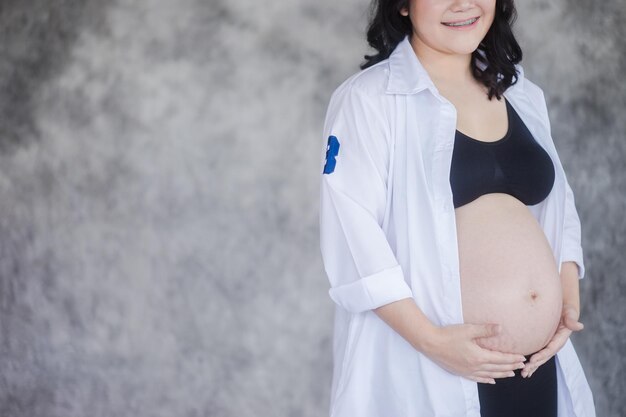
407,75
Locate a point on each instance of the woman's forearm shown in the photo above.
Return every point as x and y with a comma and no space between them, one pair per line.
569,281
406,318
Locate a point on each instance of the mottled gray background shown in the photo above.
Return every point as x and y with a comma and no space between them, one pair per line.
159,250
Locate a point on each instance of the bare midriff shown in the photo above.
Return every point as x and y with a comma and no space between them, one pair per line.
508,273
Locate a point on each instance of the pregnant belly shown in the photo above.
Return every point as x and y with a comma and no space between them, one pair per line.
508,273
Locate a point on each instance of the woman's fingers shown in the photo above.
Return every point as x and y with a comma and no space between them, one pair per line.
573,324
493,370
495,367
530,368
528,373
483,380
493,374
541,357
495,357
570,318
553,346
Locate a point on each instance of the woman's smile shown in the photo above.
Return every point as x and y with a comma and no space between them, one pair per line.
466,24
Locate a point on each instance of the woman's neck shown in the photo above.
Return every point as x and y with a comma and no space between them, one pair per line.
448,69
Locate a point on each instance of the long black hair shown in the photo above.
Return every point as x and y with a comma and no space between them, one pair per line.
387,27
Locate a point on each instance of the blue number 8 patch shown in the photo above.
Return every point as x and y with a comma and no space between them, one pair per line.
332,149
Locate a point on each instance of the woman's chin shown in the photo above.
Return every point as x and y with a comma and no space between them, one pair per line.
465,49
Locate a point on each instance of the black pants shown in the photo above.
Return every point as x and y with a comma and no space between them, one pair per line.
515,396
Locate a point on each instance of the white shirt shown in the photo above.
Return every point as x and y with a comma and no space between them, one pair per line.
387,232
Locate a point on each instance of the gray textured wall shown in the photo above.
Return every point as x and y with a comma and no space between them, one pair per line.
158,198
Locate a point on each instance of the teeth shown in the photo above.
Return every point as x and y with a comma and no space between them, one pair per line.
465,23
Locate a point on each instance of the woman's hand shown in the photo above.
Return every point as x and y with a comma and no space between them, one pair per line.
569,323
454,349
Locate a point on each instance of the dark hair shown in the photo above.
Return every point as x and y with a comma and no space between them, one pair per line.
387,27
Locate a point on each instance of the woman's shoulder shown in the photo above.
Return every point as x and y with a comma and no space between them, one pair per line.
528,86
370,82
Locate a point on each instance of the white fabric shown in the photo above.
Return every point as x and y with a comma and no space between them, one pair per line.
387,232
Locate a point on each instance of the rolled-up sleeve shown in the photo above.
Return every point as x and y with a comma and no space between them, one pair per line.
571,248
360,264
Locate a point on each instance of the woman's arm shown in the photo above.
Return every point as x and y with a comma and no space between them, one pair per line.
572,249
406,318
569,281
452,347
361,265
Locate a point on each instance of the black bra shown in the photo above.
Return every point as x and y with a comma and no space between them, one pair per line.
515,164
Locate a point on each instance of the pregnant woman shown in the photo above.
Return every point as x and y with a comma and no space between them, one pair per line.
448,229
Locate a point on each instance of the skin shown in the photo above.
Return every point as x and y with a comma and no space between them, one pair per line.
446,55
569,319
